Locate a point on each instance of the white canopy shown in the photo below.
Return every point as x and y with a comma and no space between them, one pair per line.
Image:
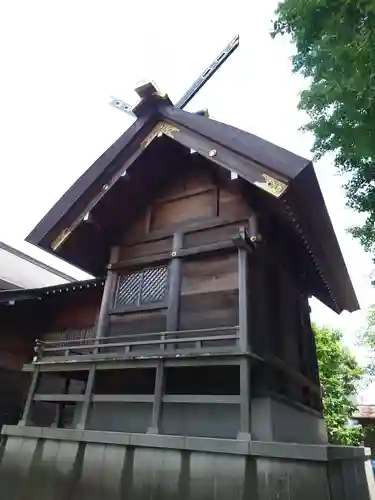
20,270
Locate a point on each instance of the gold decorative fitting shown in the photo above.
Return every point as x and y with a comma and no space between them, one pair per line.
57,242
272,186
212,153
159,130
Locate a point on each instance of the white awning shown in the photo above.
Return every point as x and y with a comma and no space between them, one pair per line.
20,270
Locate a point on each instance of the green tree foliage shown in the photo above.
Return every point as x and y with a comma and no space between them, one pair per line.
339,376
367,340
335,42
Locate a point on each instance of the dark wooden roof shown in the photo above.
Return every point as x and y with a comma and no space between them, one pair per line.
286,182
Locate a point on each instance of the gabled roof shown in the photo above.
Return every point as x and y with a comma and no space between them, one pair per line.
286,182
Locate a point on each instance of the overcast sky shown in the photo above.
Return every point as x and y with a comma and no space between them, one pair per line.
60,62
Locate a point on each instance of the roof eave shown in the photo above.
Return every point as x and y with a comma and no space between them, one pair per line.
72,203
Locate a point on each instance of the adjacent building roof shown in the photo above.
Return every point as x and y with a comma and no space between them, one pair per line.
285,183
364,412
19,270
18,295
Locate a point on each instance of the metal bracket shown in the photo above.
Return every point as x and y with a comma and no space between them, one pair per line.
122,106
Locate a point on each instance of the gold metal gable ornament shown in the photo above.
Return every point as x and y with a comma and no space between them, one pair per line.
272,186
159,130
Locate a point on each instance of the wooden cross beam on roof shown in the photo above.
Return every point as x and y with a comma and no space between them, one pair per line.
194,88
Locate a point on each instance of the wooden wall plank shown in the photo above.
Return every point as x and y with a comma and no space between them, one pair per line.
80,310
137,323
209,310
212,274
147,248
195,207
232,204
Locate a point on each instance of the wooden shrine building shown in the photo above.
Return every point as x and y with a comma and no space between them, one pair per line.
190,360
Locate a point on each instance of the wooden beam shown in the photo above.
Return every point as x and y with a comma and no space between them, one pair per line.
186,333
166,256
136,308
59,398
158,396
201,399
30,396
208,248
194,227
121,356
123,398
161,340
87,399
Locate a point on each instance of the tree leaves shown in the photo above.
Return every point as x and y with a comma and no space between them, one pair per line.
339,375
335,42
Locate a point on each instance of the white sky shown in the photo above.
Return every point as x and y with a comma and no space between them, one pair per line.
60,62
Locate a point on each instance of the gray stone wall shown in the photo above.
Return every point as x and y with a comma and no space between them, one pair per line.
275,421
59,464
201,420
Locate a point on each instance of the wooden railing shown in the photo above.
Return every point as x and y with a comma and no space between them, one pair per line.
145,344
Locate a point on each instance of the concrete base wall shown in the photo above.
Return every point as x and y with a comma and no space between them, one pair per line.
272,420
203,420
60,464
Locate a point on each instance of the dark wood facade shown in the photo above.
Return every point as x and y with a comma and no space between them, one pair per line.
197,317
209,250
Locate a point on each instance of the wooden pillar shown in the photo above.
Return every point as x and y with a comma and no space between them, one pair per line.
245,400
174,285
108,293
244,344
87,400
61,405
158,396
30,396
243,300
174,289
312,360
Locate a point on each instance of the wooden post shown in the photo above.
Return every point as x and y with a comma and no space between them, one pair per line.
30,396
243,300
174,289
87,400
245,401
243,304
158,396
108,292
174,284
253,227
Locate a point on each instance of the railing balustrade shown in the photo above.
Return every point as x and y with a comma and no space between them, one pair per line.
207,339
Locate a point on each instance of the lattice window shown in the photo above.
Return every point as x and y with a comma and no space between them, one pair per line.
147,286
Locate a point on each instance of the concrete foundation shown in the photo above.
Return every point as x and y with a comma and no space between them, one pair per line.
63,464
272,420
